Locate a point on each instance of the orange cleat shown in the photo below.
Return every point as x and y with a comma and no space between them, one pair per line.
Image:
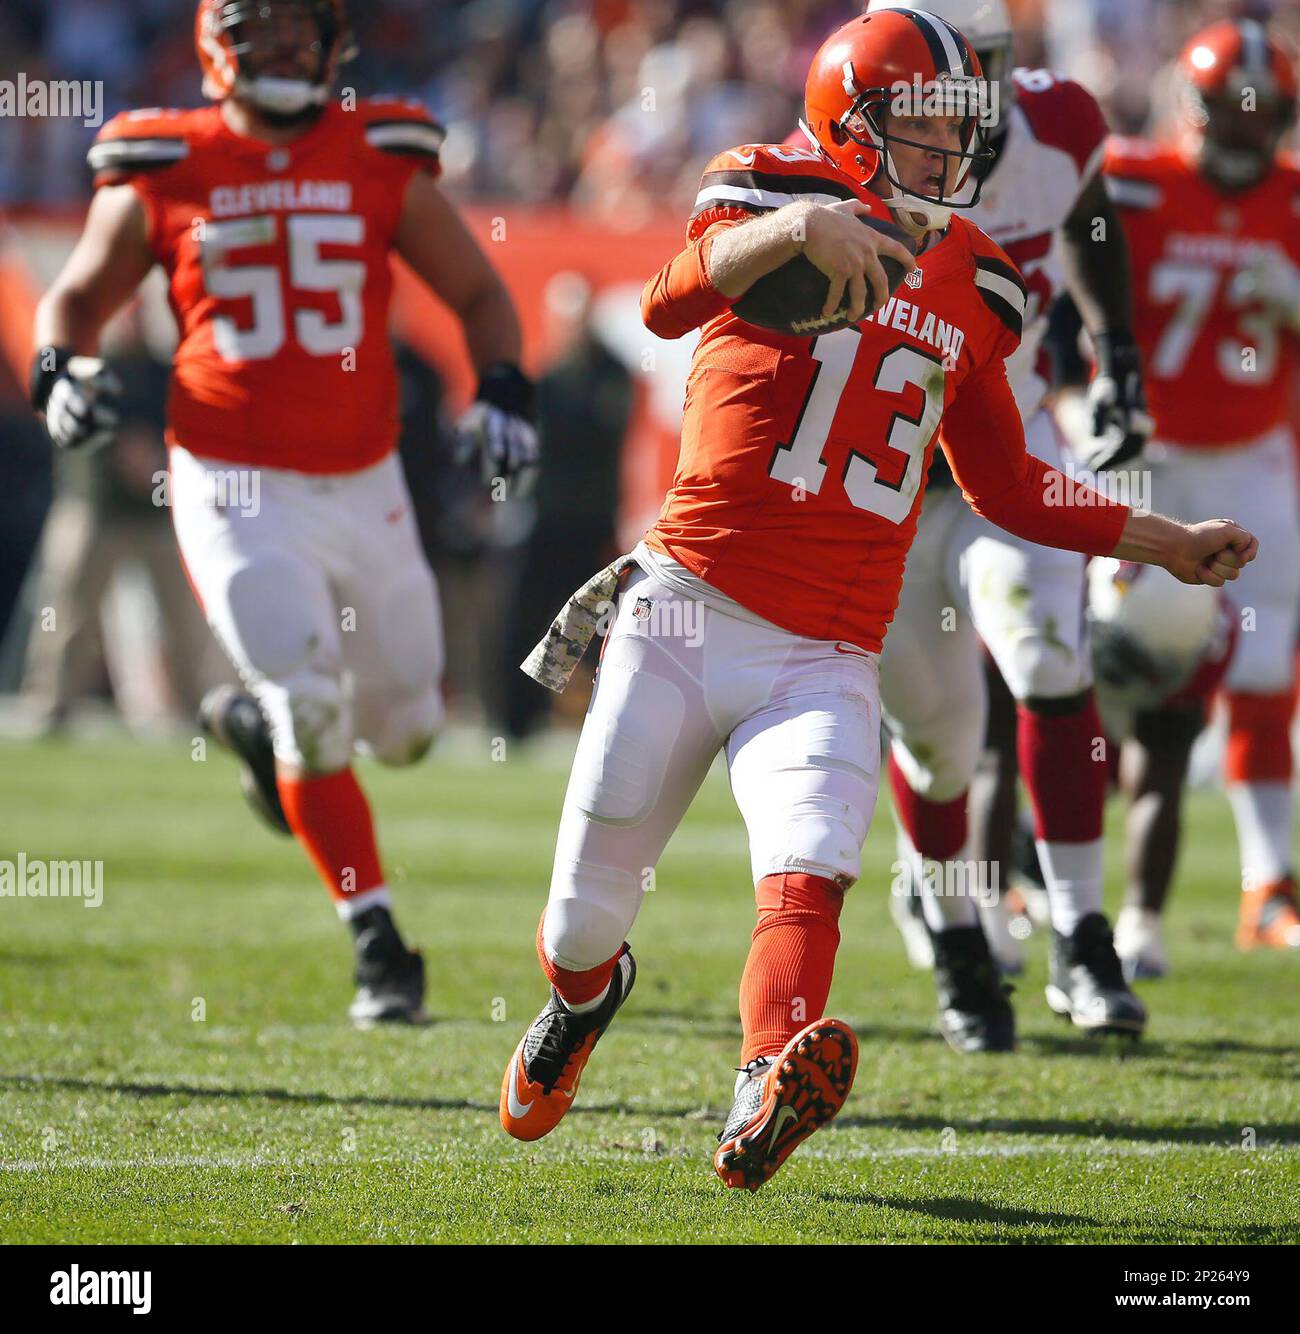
781,1101
1269,917
544,1071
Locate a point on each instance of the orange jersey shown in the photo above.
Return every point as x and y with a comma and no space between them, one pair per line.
278,259
1217,372
803,461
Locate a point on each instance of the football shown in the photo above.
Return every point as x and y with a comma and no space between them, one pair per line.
790,299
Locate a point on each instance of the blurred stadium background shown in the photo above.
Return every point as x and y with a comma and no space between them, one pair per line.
576,131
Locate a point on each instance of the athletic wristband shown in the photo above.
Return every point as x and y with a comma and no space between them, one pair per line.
505,386
44,376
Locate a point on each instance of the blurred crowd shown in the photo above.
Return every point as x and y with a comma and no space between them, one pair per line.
611,104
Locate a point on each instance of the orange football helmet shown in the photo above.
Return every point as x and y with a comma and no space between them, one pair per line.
1238,99
912,63
235,37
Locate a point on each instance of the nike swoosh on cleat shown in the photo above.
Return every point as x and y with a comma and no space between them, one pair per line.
786,1113
746,159
517,1109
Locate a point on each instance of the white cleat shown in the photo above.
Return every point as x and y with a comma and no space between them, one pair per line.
1140,944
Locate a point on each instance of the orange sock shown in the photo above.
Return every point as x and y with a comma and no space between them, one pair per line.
787,976
1259,738
330,817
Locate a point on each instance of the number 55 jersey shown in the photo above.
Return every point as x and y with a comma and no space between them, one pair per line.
803,461
278,260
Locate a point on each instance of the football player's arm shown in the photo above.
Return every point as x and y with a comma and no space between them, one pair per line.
984,439
432,238
74,390
111,259
726,261
1095,256
500,425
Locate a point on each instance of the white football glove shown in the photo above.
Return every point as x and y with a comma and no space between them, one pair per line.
498,427
1121,424
81,399
1268,278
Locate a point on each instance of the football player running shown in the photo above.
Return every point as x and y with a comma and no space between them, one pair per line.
274,212
1043,200
1211,223
751,616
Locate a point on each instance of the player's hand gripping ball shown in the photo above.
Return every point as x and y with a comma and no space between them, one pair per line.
792,299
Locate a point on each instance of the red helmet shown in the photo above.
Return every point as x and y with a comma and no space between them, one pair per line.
1239,96
912,63
226,33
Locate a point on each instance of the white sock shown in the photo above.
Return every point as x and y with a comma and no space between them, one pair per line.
355,904
942,911
1073,875
1264,819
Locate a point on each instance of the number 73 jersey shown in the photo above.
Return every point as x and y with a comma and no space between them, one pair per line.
1218,369
803,461
278,260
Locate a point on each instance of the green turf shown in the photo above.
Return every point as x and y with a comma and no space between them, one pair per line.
124,1118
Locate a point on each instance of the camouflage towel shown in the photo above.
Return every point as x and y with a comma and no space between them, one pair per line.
554,660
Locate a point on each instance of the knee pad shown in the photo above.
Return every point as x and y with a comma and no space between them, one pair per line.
1042,667
311,722
942,773
581,933
407,730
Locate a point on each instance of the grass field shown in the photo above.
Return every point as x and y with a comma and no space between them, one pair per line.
124,1117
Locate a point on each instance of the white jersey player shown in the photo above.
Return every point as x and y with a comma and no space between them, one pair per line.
1043,201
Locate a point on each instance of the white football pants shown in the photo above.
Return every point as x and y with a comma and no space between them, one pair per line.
318,589
679,681
1253,484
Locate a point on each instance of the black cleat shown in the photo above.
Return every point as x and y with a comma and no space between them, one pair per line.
974,1012
1087,983
236,721
389,977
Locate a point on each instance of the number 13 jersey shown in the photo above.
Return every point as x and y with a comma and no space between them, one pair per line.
278,260
803,460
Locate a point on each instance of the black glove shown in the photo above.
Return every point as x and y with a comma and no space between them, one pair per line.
499,427
79,396
1121,424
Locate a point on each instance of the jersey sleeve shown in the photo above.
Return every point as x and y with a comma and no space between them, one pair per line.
681,296
405,131
759,178
136,146
984,440
1066,116
1130,179
1002,292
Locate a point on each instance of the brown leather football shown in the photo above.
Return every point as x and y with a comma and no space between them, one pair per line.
790,299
